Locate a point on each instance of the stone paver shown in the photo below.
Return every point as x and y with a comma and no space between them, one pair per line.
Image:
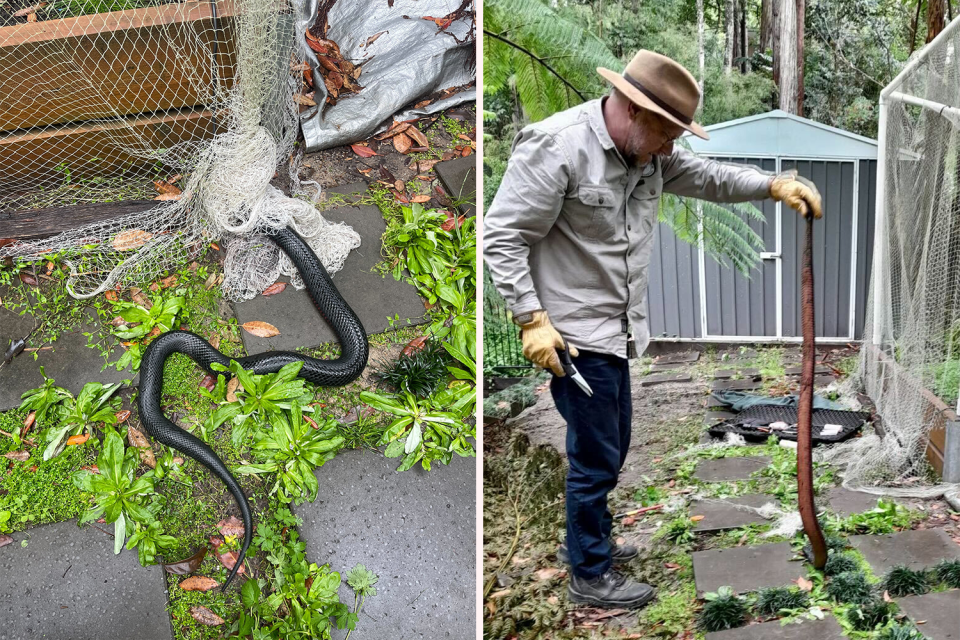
824,381
736,385
746,568
678,358
664,378
937,614
459,177
920,549
714,417
416,530
826,629
71,362
729,469
372,297
845,503
667,367
719,515
818,369
713,403
66,583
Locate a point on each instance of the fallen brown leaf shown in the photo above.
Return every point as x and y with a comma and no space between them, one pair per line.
421,199
169,281
32,17
500,594
163,187
399,186
363,152
199,583
19,456
5,540
168,196
29,420
75,440
232,389
208,382
28,10
299,98
466,151
671,566
28,278
629,521
261,329
138,440
804,584
697,518
417,344
422,104
402,142
205,617
122,416
374,37
188,566
417,136
229,560
231,526
127,240
547,574
274,289
92,468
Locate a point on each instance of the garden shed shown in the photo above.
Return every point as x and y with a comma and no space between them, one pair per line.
693,298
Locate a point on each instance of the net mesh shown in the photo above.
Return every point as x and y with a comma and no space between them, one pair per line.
910,360
196,100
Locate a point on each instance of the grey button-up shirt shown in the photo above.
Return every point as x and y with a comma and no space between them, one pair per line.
571,228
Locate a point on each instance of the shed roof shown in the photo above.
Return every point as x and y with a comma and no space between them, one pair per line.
778,133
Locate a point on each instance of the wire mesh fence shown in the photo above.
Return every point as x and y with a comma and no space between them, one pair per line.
502,349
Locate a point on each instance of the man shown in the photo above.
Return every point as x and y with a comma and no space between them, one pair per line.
568,241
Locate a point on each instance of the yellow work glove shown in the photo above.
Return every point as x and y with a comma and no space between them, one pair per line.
541,341
797,192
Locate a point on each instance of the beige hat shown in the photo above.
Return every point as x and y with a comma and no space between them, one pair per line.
657,83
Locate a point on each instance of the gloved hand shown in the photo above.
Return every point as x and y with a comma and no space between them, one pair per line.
541,341
797,192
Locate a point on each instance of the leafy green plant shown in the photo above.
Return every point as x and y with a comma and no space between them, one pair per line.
149,540
901,632
118,495
887,517
361,580
722,610
143,322
678,530
869,615
44,399
901,581
422,432
418,373
838,563
851,587
772,601
948,571
92,405
293,449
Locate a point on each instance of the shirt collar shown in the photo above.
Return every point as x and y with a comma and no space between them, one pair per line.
599,125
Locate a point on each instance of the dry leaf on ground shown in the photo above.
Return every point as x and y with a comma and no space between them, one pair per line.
547,574
19,456
229,560
420,199
402,142
274,289
29,420
299,98
122,416
169,281
804,584
414,345
422,104
232,386
75,440
28,278
165,188
231,526
127,240
205,617
138,440
199,583
418,136
208,382
362,151
5,540
188,566
261,329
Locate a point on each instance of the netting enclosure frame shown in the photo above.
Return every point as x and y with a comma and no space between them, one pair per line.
911,345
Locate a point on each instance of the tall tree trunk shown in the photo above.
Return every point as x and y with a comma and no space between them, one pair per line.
744,44
736,35
701,27
916,26
801,19
790,64
730,18
767,26
775,38
936,18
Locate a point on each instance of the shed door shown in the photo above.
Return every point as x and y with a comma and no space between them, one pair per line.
745,307
832,250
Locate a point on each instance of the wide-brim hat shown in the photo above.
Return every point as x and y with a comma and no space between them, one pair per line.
657,83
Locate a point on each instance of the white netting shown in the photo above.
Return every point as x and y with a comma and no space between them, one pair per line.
910,360
98,104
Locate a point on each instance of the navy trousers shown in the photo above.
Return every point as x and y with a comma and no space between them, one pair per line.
598,435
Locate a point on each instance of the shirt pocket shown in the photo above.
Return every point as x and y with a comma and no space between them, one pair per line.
596,212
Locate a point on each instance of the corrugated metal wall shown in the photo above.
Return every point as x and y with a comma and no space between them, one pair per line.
738,306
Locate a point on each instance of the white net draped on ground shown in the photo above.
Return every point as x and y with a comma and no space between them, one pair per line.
911,350
207,90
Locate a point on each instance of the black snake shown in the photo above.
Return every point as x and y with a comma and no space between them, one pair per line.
328,373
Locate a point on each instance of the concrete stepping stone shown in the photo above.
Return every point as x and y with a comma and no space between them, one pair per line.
845,503
736,385
729,469
459,178
663,378
371,296
824,381
746,568
719,515
71,362
67,583
920,549
826,629
939,614
416,530
678,358
713,403
726,374
667,367
818,369
713,417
